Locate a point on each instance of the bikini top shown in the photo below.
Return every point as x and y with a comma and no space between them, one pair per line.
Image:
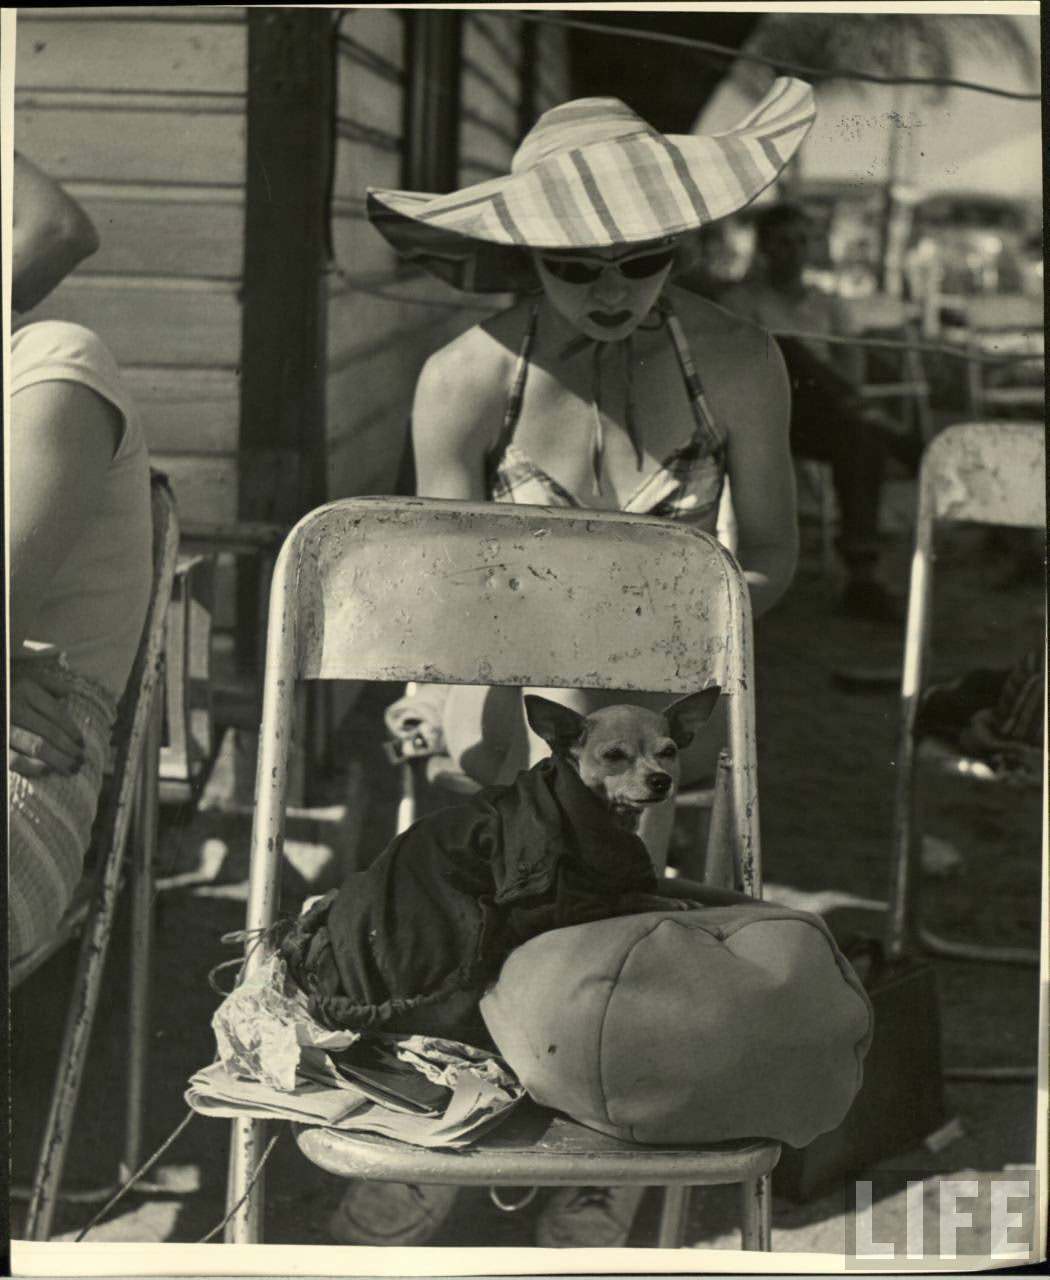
687,485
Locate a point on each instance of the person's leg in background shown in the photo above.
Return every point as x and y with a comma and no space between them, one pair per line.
829,424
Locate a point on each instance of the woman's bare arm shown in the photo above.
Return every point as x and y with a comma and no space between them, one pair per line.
761,471
51,234
457,396
63,437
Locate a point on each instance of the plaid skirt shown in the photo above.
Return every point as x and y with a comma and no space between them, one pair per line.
51,816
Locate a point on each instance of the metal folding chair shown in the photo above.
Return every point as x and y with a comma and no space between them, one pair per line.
416,589
988,473
905,388
896,379
1006,325
187,749
129,816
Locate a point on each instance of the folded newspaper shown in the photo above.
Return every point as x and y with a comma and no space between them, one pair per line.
277,1062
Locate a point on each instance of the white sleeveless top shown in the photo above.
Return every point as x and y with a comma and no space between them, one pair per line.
96,603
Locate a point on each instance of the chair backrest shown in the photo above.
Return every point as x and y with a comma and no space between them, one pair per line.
881,311
986,472
1007,325
482,593
143,681
989,312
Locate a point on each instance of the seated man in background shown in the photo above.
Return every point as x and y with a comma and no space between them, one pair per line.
828,420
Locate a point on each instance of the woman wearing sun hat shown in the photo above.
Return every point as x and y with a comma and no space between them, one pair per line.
603,387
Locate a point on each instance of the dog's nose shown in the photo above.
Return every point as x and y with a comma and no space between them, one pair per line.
660,783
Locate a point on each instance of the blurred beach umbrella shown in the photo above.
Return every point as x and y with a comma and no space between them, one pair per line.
907,44
885,133
1009,167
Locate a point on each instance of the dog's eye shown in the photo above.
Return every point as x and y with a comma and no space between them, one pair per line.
669,752
613,754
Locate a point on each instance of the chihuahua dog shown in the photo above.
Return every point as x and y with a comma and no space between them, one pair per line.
626,755
629,757
410,942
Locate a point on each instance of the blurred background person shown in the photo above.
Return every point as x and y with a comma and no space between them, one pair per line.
828,420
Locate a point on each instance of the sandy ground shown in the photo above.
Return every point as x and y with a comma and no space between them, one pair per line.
826,773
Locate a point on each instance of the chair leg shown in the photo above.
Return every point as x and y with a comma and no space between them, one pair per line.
719,857
80,1021
143,839
828,515
673,1216
756,1227
246,1148
407,805
905,886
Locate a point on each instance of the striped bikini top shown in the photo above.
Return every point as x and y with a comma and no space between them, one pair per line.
687,485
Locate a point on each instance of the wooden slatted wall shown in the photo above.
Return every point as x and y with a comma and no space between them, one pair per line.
385,319
377,339
553,79
139,112
490,95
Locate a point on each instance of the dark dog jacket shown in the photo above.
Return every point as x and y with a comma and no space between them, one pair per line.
411,943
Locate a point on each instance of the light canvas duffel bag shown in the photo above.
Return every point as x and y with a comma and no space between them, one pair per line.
698,1026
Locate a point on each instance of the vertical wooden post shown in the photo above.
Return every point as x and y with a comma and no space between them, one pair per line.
433,41
282,446
529,76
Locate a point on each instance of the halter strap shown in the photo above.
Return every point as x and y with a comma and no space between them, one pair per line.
694,387
701,410
512,409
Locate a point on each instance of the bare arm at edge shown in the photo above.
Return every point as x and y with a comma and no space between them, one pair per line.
51,234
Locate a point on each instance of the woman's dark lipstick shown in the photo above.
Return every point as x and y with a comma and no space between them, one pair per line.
610,320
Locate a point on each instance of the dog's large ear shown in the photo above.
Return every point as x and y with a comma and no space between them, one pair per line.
559,726
690,713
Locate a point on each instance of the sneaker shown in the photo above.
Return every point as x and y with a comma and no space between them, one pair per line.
869,599
391,1212
588,1217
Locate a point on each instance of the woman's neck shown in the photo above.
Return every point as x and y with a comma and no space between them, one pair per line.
557,337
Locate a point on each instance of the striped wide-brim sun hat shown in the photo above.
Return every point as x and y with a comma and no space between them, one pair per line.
591,174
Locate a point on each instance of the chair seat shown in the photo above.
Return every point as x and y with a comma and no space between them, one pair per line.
535,1146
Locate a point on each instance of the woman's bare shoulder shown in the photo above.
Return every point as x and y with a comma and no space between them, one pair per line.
463,384
739,363
706,324
481,352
